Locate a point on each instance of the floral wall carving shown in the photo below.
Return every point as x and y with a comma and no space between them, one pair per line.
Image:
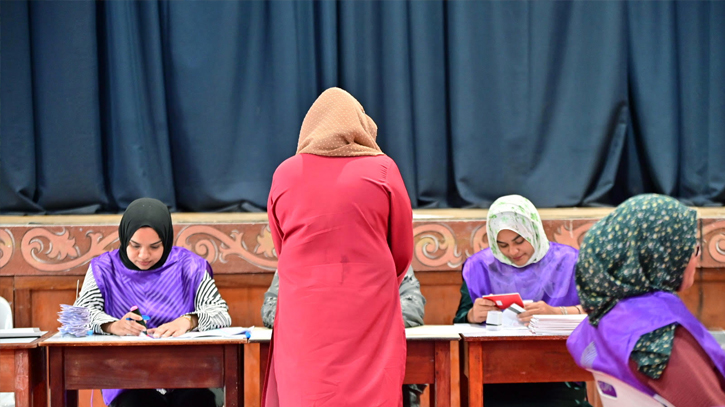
248,247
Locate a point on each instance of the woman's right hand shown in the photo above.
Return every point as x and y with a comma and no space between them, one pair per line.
124,327
479,312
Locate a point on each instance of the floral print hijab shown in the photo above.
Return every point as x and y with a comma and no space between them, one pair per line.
518,214
642,246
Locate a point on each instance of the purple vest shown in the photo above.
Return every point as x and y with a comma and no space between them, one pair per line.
551,279
163,294
607,347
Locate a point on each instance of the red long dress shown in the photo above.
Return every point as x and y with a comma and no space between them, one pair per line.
342,227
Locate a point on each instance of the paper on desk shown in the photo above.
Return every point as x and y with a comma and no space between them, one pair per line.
17,340
555,324
231,332
261,334
432,331
21,333
474,330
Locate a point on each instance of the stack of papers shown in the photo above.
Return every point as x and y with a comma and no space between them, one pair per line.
477,330
74,321
555,324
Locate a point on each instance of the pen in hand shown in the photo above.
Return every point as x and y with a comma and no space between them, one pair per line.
143,320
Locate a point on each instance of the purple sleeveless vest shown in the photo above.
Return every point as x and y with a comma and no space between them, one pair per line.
551,279
163,294
607,347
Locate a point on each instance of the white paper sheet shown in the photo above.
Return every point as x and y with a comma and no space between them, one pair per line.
433,332
231,332
21,333
475,330
17,340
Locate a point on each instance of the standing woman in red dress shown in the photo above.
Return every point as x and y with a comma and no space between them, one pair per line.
341,221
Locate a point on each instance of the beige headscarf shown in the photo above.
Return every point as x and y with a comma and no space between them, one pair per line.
336,126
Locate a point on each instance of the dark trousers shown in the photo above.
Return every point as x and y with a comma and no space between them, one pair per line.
411,394
174,398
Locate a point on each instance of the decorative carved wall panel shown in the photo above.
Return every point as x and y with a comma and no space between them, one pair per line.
248,247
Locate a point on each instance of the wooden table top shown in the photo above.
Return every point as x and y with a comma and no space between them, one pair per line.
531,337
26,345
111,340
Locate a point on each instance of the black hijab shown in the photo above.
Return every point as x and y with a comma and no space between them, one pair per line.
146,212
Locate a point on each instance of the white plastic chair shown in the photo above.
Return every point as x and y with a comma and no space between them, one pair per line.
616,393
6,322
6,314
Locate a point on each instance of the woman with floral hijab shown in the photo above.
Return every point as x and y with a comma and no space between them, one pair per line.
520,259
638,330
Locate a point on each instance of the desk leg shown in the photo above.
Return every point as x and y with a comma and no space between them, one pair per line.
22,378
475,374
252,377
59,396
39,377
463,374
442,374
233,372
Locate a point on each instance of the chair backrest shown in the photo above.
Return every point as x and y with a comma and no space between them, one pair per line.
616,393
6,314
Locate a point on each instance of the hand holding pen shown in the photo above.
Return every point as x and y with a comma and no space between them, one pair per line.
132,323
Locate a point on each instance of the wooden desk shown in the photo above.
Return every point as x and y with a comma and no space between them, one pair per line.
111,362
514,359
428,362
22,370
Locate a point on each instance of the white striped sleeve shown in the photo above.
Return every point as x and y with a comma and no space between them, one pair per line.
91,298
211,309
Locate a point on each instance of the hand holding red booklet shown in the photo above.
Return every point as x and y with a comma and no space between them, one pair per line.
504,301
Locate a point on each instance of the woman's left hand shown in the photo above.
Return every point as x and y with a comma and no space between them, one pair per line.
177,327
535,308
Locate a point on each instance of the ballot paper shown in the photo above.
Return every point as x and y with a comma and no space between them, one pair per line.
74,320
555,324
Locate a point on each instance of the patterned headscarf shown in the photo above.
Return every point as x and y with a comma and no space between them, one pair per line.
518,214
642,246
336,126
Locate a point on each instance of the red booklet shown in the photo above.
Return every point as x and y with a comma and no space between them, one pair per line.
504,301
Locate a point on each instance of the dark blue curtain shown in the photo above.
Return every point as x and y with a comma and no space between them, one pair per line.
196,103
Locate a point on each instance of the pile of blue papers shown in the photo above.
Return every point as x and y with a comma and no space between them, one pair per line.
74,321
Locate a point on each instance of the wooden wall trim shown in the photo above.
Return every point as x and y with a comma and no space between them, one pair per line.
239,248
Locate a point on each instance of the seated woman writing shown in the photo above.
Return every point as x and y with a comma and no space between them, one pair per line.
171,285
520,259
638,330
